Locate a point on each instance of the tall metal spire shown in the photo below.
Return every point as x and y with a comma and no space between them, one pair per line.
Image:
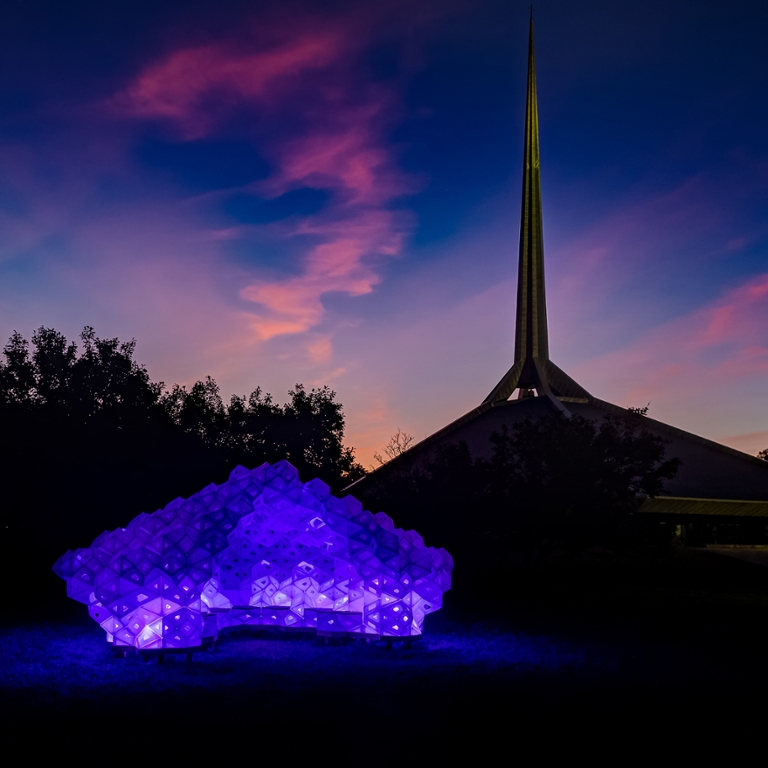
531,338
533,372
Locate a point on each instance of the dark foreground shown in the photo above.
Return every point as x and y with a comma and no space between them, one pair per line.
652,652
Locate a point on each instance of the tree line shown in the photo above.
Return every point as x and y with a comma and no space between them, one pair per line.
89,440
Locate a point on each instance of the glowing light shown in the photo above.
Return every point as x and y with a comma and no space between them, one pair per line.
262,549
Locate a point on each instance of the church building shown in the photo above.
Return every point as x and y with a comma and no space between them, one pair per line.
716,487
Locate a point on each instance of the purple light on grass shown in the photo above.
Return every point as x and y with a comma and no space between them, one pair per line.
262,549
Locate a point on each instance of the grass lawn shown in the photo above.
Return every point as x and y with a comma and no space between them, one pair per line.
580,653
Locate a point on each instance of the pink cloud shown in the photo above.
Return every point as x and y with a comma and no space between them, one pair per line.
351,157
177,88
341,264
614,246
731,331
610,280
320,349
348,156
698,370
751,442
739,317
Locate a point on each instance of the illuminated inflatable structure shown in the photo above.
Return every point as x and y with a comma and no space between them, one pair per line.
261,550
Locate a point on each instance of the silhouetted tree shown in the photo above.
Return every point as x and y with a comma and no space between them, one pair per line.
89,441
550,482
103,379
17,374
199,412
399,443
573,482
308,431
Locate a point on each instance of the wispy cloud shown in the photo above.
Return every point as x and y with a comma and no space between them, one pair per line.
649,258
346,154
751,442
344,151
698,369
343,263
187,85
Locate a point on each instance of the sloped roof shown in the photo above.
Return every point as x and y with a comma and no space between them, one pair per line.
708,469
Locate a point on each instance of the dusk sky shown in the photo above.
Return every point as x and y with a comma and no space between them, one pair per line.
328,193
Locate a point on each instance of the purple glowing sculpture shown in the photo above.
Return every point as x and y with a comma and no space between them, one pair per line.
263,550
